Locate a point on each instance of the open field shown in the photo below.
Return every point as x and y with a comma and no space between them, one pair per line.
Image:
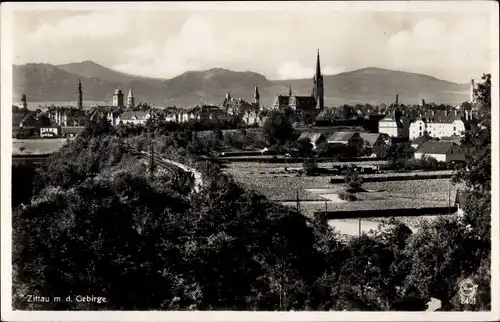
350,227
36,146
317,194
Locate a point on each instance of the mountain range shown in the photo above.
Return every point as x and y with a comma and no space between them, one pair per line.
58,83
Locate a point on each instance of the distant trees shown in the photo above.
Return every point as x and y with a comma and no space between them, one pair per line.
277,128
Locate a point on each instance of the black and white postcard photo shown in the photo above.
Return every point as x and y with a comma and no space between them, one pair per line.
250,161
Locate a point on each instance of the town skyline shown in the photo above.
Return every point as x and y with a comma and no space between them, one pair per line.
279,47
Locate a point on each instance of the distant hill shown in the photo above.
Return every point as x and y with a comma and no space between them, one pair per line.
49,83
376,85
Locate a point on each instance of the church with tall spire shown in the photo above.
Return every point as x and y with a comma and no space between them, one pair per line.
313,102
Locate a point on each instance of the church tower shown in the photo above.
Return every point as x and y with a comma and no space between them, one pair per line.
130,99
318,85
24,103
79,95
290,90
118,98
256,96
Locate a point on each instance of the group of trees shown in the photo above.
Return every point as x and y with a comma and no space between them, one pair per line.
98,225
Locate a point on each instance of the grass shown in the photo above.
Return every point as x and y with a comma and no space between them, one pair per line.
272,182
36,146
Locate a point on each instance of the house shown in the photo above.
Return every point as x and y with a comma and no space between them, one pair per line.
251,117
441,151
111,113
395,124
468,147
374,143
50,131
419,141
71,131
440,124
314,137
134,117
67,116
349,140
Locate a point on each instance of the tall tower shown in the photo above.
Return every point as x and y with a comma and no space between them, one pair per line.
290,90
24,103
397,99
472,86
256,96
318,85
79,95
118,98
130,99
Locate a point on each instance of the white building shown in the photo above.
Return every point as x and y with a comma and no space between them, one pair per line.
440,124
134,117
441,151
394,126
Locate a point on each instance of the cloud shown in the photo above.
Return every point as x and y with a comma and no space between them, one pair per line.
166,44
96,25
431,43
294,70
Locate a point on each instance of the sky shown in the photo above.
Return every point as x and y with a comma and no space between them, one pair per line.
278,43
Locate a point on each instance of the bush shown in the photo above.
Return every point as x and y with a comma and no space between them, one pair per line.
347,196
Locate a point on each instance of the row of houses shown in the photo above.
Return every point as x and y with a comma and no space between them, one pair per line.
359,142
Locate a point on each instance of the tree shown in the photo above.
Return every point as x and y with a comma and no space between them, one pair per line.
305,147
347,112
277,128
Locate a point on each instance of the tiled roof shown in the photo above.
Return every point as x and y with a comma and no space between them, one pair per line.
370,138
452,139
304,101
312,136
128,115
435,147
282,100
442,117
71,129
341,136
420,140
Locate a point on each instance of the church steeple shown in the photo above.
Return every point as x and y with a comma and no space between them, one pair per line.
256,95
79,95
318,85
290,90
318,66
130,99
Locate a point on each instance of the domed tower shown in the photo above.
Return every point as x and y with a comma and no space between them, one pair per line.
79,95
130,99
24,103
256,96
118,98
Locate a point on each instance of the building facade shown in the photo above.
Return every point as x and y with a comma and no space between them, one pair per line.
440,124
395,124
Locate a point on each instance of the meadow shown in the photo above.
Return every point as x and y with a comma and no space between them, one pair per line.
313,191
36,146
